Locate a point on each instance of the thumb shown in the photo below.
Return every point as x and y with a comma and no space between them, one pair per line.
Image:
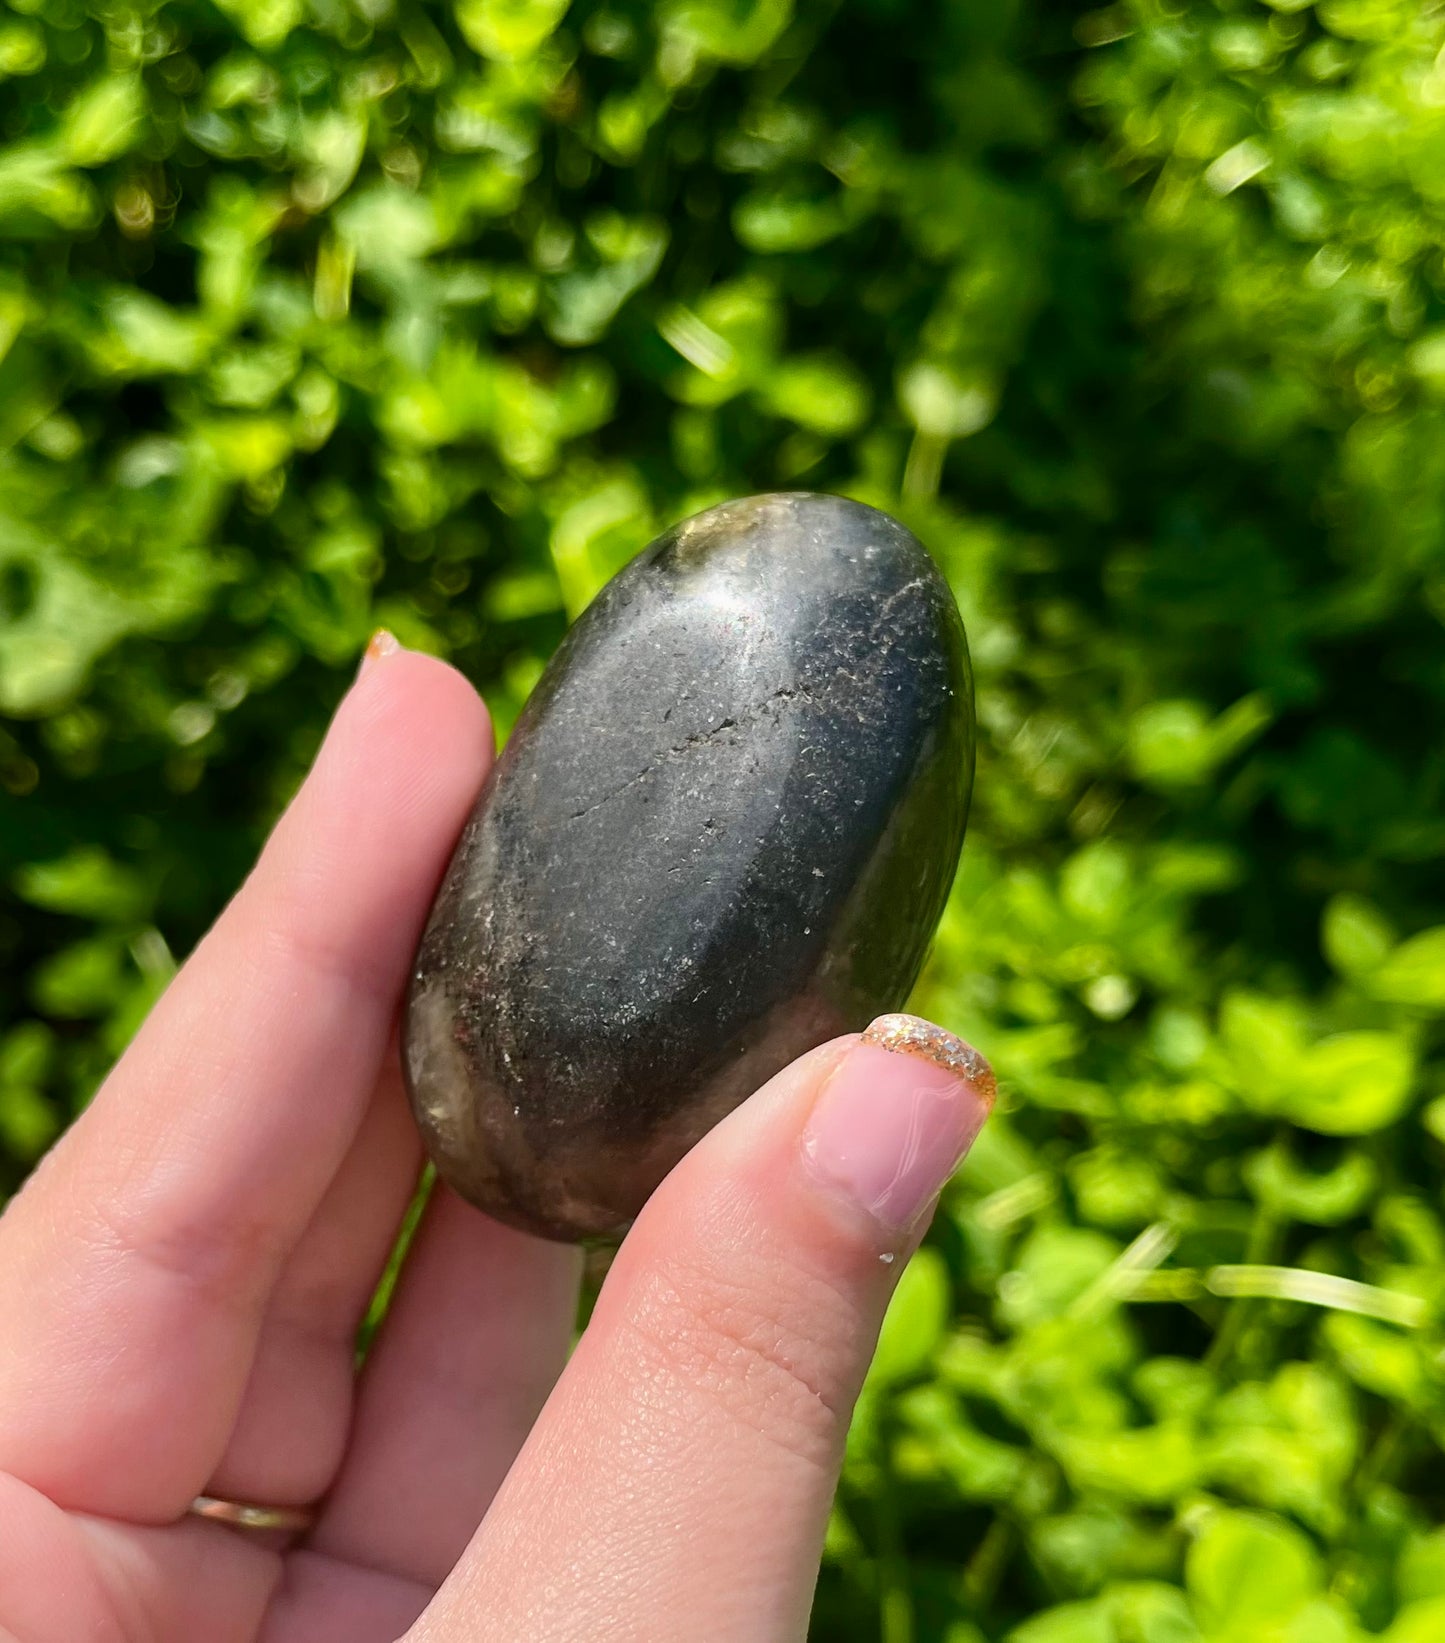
678,1482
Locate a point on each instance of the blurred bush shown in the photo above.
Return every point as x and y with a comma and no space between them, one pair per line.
319,314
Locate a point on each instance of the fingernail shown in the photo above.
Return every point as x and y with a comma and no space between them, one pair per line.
897,1117
383,644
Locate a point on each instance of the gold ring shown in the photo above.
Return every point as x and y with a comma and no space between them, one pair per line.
293,1520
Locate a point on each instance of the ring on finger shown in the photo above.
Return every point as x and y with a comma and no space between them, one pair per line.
246,1515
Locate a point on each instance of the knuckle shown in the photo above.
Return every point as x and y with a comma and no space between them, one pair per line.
306,937
776,1357
217,1260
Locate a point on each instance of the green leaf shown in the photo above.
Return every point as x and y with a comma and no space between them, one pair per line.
1056,1265
1266,1043
104,121
88,978
153,336
1324,1198
1352,1083
939,1440
595,536
1378,1358
1355,937
1153,1465
1151,1612
1415,972
584,304
1420,1622
733,31
1096,885
1177,743
1070,1623
821,391
1245,1570
265,23
944,403
1420,1572
27,1053
772,222
1290,1444
914,1323
1169,742
85,883
22,49
1116,1188
28,1122
508,29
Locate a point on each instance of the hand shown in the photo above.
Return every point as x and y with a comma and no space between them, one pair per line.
182,1280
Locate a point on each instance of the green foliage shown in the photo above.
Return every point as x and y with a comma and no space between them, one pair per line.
321,314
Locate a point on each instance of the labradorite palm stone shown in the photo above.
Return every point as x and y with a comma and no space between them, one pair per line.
721,832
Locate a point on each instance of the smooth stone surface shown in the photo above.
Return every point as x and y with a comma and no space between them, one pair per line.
722,831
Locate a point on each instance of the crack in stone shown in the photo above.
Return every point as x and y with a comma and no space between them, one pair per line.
699,738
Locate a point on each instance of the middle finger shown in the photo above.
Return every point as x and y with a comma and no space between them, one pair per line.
291,1430
477,1333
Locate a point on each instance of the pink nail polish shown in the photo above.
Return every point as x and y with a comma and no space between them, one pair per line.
383,644
897,1116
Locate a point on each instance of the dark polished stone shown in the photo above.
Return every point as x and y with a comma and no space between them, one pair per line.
722,831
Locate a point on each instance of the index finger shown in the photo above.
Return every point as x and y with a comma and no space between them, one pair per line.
136,1265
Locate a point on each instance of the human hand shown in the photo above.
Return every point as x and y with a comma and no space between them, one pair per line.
182,1279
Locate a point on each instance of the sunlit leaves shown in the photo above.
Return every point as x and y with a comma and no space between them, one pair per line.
103,121
1245,1572
1414,973
315,317
1355,937
915,1323
1177,743
508,29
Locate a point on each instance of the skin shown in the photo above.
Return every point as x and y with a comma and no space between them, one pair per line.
182,1279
